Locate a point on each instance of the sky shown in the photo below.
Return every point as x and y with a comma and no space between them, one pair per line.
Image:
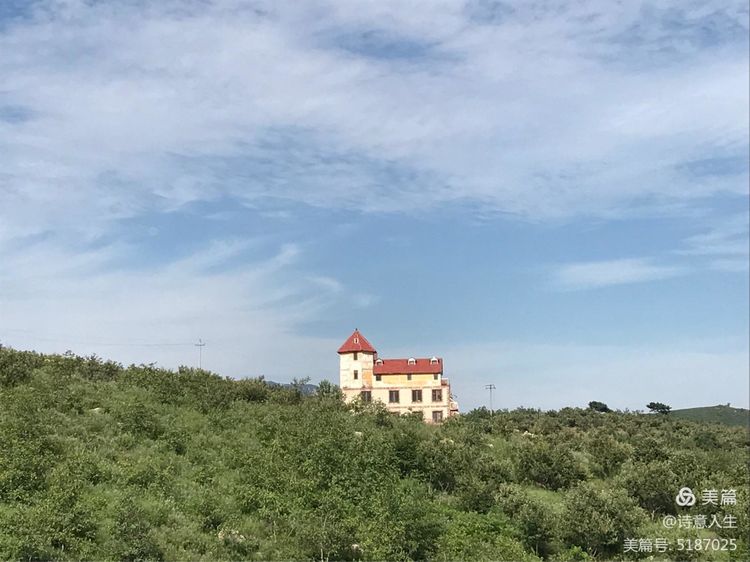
552,196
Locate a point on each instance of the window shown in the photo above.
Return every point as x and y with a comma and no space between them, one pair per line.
355,355
434,361
416,395
412,361
378,361
435,376
408,377
437,416
378,377
356,339
366,396
393,396
437,395
356,374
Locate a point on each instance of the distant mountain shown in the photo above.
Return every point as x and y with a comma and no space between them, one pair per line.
715,414
307,389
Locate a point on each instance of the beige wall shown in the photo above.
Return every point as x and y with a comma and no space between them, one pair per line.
418,380
347,366
380,389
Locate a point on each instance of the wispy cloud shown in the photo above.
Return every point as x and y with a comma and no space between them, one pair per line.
379,107
725,245
597,274
327,283
53,300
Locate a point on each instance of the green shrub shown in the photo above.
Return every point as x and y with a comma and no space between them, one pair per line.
546,464
599,520
474,537
17,366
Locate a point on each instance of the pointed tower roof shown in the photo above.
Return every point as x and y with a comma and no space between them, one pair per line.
356,342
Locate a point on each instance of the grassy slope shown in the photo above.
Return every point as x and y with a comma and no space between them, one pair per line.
101,462
715,414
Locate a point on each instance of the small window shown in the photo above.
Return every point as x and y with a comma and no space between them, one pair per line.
378,377
366,396
437,416
416,395
412,361
393,396
355,355
356,374
435,376
434,361
356,340
379,362
408,377
437,395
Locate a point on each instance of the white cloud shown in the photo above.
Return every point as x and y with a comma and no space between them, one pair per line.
548,111
126,109
596,274
51,300
327,283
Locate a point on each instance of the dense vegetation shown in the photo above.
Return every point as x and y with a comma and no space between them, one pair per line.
715,414
103,462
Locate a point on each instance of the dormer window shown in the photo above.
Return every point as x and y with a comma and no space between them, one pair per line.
356,340
412,361
378,361
434,360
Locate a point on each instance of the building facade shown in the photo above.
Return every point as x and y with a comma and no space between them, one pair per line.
403,385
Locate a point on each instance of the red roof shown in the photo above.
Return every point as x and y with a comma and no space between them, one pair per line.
407,366
356,342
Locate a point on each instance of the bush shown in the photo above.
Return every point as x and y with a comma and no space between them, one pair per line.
470,536
17,366
653,485
252,390
103,463
599,520
607,453
534,519
548,465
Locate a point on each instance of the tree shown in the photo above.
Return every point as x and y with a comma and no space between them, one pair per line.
598,406
658,407
329,391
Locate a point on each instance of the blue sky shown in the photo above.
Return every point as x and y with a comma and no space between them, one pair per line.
553,196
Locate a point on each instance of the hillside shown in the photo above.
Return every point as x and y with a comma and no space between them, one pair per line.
715,414
104,462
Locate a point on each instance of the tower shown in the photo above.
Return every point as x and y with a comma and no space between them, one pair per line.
356,359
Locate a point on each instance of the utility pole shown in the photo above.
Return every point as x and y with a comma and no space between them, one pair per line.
200,345
490,387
